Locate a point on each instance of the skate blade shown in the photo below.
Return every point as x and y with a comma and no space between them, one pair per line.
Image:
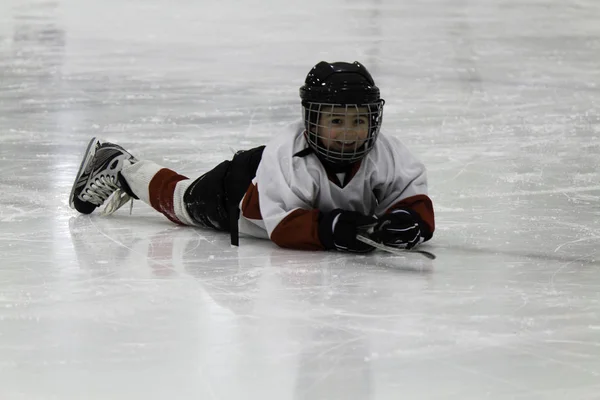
90,152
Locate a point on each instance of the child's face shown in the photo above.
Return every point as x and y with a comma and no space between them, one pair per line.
344,129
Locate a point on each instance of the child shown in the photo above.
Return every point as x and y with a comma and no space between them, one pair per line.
314,187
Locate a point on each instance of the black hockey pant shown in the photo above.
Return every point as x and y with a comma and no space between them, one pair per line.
213,199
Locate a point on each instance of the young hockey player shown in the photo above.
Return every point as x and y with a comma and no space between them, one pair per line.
315,187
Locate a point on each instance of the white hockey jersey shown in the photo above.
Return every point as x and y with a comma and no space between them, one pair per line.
290,191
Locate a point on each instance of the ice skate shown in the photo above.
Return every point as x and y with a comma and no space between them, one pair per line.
99,178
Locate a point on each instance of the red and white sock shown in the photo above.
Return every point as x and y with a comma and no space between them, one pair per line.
161,188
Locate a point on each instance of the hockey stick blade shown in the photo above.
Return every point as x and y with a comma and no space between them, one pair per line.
394,250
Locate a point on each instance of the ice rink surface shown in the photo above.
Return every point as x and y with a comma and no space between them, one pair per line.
500,99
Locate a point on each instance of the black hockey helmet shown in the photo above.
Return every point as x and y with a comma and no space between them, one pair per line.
339,83
340,86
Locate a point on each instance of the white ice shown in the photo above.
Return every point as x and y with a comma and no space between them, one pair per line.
499,98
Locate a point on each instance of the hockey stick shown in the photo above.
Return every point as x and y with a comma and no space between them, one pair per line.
393,250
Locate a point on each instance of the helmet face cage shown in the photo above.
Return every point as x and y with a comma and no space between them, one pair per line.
342,133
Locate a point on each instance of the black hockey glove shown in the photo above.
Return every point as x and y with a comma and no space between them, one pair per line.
399,228
338,229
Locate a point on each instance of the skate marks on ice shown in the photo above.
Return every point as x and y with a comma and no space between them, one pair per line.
353,324
590,258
